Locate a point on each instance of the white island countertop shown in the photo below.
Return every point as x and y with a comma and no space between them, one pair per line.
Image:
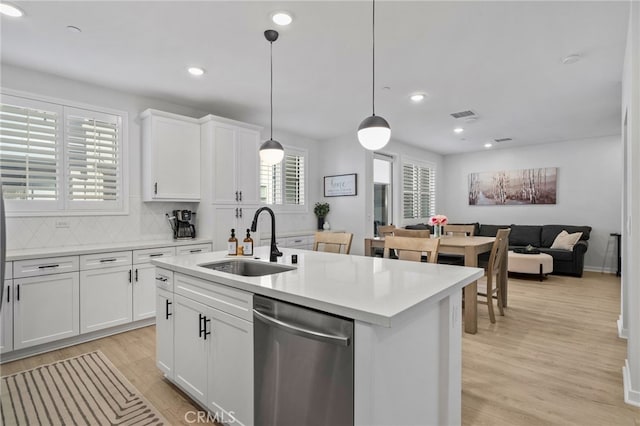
368,289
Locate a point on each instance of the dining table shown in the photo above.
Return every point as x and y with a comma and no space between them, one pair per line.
470,248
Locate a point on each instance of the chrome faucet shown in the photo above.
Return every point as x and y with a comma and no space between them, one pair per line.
273,256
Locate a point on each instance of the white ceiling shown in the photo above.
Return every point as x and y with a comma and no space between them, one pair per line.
499,59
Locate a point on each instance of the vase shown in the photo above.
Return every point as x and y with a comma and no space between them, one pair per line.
436,231
326,226
320,223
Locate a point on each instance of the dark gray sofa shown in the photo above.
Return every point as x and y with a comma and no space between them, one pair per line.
565,262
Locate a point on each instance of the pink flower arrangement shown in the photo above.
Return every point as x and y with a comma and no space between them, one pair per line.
438,219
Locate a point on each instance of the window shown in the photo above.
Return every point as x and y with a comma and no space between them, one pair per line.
284,183
56,158
418,190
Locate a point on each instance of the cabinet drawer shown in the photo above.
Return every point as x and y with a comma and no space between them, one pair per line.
45,266
145,256
164,279
193,249
8,270
230,300
105,260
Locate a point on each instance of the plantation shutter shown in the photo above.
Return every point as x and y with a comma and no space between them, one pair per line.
270,183
30,151
93,158
418,184
294,179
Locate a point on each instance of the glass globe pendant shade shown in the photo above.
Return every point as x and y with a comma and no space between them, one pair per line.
374,132
271,152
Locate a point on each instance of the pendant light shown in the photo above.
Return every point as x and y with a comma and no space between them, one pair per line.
271,151
374,131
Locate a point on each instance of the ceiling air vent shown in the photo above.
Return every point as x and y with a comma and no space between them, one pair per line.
503,140
463,114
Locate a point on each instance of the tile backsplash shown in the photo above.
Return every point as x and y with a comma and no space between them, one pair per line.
145,222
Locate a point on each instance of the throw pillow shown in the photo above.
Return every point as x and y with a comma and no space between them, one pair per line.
566,241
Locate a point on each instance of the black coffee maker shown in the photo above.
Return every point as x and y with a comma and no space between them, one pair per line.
183,224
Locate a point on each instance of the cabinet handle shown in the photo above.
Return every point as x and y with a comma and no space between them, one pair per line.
195,251
206,333
129,275
155,254
18,292
8,291
47,266
163,279
155,188
201,317
136,274
167,303
236,212
240,196
108,260
236,195
240,212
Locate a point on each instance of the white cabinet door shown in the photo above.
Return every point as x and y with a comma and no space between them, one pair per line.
6,318
190,358
231,368
164,332
144,290
45,309
171,157
247,166
238,217
225,181
105,298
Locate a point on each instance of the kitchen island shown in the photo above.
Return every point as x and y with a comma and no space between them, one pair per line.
406,339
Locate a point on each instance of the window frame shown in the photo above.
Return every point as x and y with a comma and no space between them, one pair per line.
64,206
433,193
283,207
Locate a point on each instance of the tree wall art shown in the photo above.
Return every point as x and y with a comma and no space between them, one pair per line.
513,187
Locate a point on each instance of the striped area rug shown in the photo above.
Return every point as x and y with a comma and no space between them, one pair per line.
84,390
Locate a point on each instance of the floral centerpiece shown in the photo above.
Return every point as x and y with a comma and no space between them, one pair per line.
437,221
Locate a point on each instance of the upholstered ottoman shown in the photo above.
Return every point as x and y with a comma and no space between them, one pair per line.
540,263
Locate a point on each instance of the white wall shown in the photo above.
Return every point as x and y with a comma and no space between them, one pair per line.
145,221
344,155
588,188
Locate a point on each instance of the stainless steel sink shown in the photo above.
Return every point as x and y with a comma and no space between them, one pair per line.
247,268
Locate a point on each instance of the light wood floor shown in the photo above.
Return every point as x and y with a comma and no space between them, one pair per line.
554,359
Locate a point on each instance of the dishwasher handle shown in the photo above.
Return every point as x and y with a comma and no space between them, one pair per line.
316,335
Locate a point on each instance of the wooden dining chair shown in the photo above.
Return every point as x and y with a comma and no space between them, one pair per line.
333,242
409,248
488,285
459,230
413,233
384,230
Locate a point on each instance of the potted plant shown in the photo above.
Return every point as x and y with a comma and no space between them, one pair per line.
321,210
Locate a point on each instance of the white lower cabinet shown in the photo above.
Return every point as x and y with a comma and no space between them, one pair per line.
144,290
164,329
6,318
45,309
105,298
213,349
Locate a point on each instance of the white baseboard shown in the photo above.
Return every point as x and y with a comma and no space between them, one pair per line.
611,271
631,397
622,332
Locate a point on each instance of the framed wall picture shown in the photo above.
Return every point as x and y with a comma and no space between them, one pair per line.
340,185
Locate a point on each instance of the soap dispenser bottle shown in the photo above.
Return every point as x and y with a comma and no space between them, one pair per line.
248,244
233,244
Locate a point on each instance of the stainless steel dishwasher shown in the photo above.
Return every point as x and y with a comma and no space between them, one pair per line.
303,366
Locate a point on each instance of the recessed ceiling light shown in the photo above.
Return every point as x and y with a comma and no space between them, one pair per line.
196,71
282,18
10,10
571,59
488,145
458,130
73,29
418,97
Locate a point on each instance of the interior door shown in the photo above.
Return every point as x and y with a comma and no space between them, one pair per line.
382,191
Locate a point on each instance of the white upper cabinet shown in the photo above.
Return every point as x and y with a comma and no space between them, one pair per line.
234,148
170,157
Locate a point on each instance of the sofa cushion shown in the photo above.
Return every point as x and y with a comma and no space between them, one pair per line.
489,230
566,241
522,235
564,255
550,232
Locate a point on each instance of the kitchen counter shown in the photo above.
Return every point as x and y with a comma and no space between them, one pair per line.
98,248
373,290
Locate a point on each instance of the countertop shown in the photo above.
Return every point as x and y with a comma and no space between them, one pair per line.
98,248
368,289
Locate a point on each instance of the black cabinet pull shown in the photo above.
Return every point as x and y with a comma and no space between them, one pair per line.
136,274
113,259
236,195
129,275
167,303
240,212
156,254
8,291
47,266
240,195
195,251
155,188
162,279
18,292
200,325
206,333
